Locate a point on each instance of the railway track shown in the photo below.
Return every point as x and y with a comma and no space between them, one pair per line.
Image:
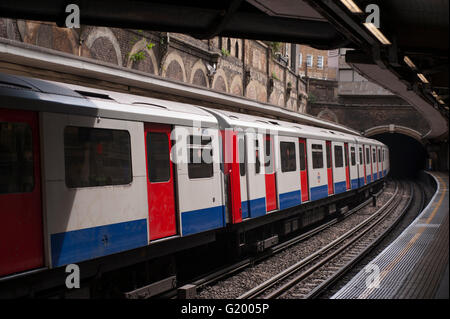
313,274
230,270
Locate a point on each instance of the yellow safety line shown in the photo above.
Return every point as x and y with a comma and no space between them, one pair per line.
405,250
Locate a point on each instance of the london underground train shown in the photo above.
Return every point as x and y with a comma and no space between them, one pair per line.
106,179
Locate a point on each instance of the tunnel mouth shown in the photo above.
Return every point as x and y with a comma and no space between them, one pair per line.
407,156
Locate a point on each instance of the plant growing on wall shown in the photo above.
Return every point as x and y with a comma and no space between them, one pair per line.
140,55
275,47
274,76
225,52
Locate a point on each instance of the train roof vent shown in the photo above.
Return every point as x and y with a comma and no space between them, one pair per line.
233,117
261,121
300,128
94,94
275,123
150,104
332,132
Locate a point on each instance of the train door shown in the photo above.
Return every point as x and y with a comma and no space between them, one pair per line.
380,163
21,230
243,175
303,170
160,181
362,162
271,190
368,165
347,168
374,164
256,183
329,168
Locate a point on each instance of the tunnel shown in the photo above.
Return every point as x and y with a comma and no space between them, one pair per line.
406,155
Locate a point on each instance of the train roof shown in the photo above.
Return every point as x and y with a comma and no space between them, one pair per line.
41,95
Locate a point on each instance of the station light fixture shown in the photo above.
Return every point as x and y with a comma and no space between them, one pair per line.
422,78
377,33
353,7
409,62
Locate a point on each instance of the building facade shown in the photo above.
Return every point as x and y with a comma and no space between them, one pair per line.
246,68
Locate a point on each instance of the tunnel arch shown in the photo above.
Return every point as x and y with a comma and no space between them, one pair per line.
392,128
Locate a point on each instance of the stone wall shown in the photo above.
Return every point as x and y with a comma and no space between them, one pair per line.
234,66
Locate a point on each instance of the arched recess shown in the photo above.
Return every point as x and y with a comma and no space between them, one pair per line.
250,91
177,60
103,32
220,74
329,115
199,66
142,45
236,85
392,128
280,100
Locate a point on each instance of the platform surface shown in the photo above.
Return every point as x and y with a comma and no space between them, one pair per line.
415,265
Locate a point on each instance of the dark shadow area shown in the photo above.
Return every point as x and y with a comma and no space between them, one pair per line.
406,155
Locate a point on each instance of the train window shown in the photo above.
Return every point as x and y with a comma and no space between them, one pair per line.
379,155
360,155
200,157
97,157
257,161
383,155
374,156
317,155
158,157
367,156
353,156
16,158
242,156
338,157
268,156
288,158
302,156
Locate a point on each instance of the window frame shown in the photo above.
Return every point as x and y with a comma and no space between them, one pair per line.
315,151
189,146
97,129
292,159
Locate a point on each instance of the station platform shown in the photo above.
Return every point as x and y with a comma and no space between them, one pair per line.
415,265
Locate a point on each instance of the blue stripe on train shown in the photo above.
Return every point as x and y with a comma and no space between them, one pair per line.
88,243
340,187
319,192
369,179
355,183
361,181
257,207
200,220
290,199
244,206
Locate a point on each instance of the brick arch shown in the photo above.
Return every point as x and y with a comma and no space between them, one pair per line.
236,85
103,32
199,70
141,45
251,90
328,115
280,100
220,74
273,98
172,61
393,128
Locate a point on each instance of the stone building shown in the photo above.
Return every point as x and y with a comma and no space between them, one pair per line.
240,67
